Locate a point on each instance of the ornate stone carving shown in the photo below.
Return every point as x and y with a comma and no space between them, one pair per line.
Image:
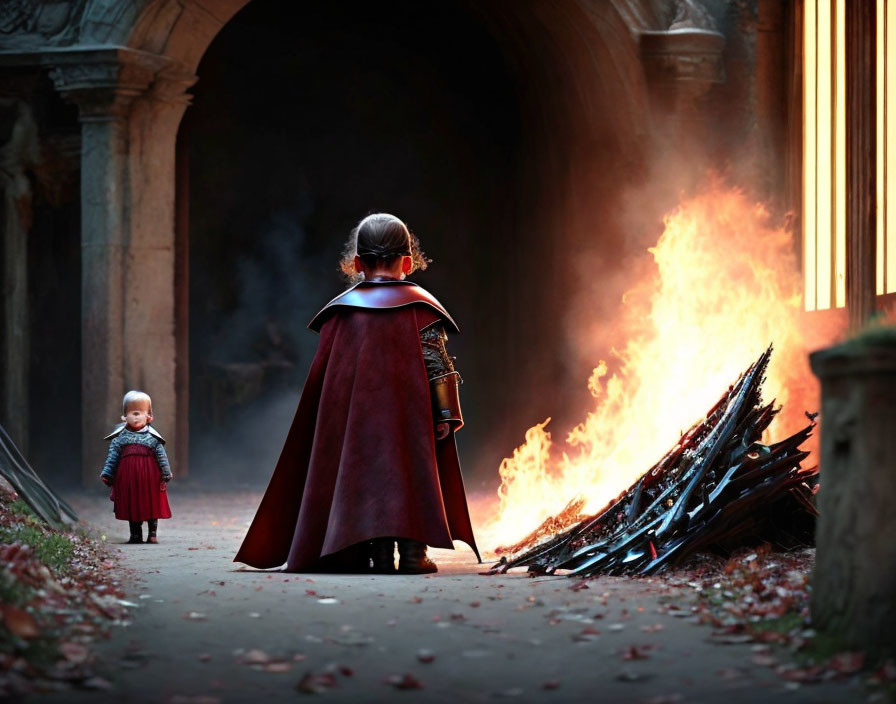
691,14
35,23
29,25
110,21
104,82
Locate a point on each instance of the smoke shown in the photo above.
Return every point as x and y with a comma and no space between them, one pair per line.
249,366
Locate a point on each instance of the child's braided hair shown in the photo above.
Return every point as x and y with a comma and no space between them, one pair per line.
380,237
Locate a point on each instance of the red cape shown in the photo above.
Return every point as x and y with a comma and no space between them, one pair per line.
361,460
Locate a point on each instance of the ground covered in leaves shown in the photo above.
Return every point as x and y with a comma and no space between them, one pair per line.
59,592
762,597
206,630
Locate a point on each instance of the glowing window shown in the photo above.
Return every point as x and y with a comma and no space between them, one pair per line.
824,153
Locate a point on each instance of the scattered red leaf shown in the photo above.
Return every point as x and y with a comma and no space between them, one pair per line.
405,681
634,653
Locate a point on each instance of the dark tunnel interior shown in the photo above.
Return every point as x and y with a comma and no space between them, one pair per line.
305,119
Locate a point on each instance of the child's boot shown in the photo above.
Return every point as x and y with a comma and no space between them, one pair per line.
382,552
152,524
136,532
412,558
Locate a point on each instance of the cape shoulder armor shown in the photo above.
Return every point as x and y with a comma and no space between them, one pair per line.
383,294
121,426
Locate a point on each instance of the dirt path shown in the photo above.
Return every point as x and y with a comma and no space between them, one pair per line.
204,631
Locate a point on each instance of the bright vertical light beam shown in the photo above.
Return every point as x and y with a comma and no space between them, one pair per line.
886,252
810,153
839,154
881,148
826,157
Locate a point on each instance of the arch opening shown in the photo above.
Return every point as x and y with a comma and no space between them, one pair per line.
469,125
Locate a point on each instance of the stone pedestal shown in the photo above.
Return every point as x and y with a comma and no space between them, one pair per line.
854,585
130,105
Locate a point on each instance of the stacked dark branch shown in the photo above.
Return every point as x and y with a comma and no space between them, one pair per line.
717,489
46,503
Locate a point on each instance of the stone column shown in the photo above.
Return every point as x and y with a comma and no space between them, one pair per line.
150,329
130,104
855,569
19,151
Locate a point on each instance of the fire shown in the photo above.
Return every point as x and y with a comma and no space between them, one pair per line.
725,284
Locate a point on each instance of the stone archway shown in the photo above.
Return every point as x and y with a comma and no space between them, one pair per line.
127,65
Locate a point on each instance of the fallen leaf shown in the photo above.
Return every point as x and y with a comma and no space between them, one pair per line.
633,653
316,683
406,681
256,657
74,652
96,683
19,622
847,663
425,655
278,667
765,660
551,685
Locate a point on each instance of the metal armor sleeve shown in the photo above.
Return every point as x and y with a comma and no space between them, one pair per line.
435,355
443,379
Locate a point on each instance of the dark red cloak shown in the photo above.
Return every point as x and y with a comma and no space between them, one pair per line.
361,460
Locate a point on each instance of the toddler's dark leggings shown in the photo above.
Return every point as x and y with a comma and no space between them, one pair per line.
152,526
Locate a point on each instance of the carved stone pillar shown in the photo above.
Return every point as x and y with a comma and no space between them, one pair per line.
130,106
19,151
681,65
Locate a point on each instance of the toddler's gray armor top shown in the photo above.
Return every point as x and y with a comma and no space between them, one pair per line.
148,436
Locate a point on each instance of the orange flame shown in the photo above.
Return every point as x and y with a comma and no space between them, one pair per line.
725,285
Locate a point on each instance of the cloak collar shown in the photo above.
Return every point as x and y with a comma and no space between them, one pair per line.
386,293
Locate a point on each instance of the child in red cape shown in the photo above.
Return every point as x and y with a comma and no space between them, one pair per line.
370,458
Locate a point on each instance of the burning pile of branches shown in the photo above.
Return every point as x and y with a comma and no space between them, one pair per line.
716,489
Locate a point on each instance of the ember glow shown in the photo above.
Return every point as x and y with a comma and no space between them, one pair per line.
724,285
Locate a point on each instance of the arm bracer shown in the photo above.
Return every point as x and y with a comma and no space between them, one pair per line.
443,379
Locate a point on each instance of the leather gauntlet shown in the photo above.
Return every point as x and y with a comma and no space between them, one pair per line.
446,400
